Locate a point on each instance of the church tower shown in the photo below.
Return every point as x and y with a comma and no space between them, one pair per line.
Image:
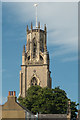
35,60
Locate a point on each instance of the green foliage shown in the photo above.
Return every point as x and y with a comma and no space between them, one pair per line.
47,101
21,100
60,100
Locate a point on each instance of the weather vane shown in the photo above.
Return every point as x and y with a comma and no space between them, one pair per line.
35,5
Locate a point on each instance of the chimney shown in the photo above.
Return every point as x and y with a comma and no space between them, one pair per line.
9,93
14,93
12,96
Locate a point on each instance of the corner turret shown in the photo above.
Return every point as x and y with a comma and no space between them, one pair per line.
23,56
69,110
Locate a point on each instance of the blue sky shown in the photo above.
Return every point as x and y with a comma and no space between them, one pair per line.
62,41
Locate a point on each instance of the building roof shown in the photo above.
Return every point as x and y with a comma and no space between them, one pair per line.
12,104
13,109
47,116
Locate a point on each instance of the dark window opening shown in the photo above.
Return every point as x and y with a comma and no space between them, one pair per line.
33,81
34,49
41,58
29,58
42,49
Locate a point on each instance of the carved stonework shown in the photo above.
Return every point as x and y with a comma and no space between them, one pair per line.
35,61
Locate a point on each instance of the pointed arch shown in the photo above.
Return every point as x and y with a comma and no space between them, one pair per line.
34,80
41,58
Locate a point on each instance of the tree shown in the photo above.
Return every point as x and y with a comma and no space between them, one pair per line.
47,101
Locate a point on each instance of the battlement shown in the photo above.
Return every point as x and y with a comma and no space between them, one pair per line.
38,29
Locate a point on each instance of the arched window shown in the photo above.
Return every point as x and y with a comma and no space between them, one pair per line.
34,48
41,58
34,81
31,83
28,44
41,45
29,58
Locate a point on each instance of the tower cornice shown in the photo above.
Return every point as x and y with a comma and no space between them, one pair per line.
34,65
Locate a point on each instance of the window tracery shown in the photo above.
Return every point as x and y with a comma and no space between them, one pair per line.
33,81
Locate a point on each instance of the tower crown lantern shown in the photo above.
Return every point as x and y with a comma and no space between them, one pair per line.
36,45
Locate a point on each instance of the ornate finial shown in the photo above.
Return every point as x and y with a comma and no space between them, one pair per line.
45,48
36,13
24,49
31,26
45,28
38,24
27,28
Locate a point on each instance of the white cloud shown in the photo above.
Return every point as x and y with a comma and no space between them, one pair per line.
61,20
61,52
70,59
2,100
40,0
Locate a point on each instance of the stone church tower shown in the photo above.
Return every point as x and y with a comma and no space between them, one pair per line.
35,60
